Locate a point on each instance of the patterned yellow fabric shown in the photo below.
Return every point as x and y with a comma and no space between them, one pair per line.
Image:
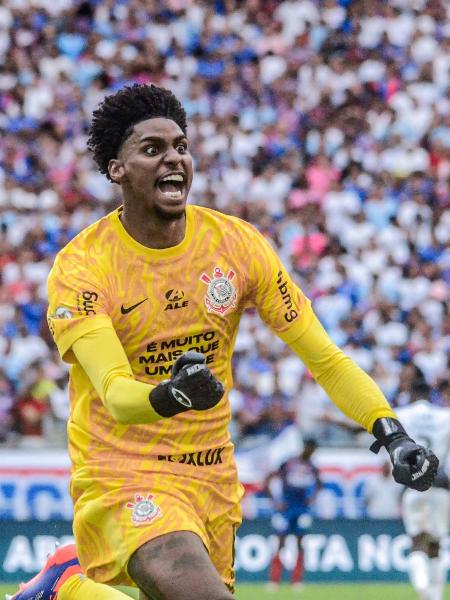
162,303
118,513
81,588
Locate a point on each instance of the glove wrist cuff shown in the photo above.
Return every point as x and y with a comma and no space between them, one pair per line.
386,430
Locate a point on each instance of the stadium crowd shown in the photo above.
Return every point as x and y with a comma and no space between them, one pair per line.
324,123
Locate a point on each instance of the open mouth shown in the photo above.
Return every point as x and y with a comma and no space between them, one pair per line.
172,186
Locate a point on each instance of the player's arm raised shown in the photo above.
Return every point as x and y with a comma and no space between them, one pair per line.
286,310
358,396
102,357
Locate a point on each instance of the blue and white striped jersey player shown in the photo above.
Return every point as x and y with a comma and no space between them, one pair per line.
293,491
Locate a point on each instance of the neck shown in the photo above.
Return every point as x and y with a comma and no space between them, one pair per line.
152,230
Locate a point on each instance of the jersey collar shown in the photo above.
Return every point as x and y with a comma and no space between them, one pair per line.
156,253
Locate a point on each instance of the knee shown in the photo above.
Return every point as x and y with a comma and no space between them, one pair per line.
420,543
433,549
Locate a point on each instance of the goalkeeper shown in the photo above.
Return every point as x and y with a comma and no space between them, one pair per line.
145,305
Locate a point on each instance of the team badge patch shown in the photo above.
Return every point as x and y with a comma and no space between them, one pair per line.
62,313
144,509
221,295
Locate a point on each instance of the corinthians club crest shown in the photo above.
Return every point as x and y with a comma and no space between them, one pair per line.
221,294
144,509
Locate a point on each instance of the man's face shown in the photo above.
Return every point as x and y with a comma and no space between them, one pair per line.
154,167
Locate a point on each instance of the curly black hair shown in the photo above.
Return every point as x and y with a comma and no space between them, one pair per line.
113,121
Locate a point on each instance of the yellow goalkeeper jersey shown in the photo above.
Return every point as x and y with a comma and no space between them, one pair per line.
162,303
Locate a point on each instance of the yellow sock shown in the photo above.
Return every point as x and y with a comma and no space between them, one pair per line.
79,587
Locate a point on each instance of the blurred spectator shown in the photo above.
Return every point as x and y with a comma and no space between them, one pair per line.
249,412
326,124
28,413
6,406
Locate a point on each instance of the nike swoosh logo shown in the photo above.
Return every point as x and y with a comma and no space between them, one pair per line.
125,310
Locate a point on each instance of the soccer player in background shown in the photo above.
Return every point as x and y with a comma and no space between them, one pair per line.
145,305
293,489
426,517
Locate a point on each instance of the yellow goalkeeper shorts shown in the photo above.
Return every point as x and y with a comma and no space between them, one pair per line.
112,521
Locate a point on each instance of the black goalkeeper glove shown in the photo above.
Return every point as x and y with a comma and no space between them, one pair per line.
192,386
441,480
412,465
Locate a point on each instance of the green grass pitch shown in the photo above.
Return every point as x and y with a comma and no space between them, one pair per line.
311,592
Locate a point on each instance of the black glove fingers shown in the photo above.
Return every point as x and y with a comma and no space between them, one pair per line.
416,458
200,385
188,358
402,474
192,386
208,392
416,469
433,468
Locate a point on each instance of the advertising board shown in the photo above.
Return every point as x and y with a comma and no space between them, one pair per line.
338,550
36,485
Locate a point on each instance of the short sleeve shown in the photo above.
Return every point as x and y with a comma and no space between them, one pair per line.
281,304
77,303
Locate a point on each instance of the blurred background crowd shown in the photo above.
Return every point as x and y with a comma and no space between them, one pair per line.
325,123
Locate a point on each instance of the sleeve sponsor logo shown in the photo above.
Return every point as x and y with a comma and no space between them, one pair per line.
291,312
221,295
85,303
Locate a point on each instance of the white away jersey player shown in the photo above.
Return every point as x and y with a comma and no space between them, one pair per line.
427,512
429,425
